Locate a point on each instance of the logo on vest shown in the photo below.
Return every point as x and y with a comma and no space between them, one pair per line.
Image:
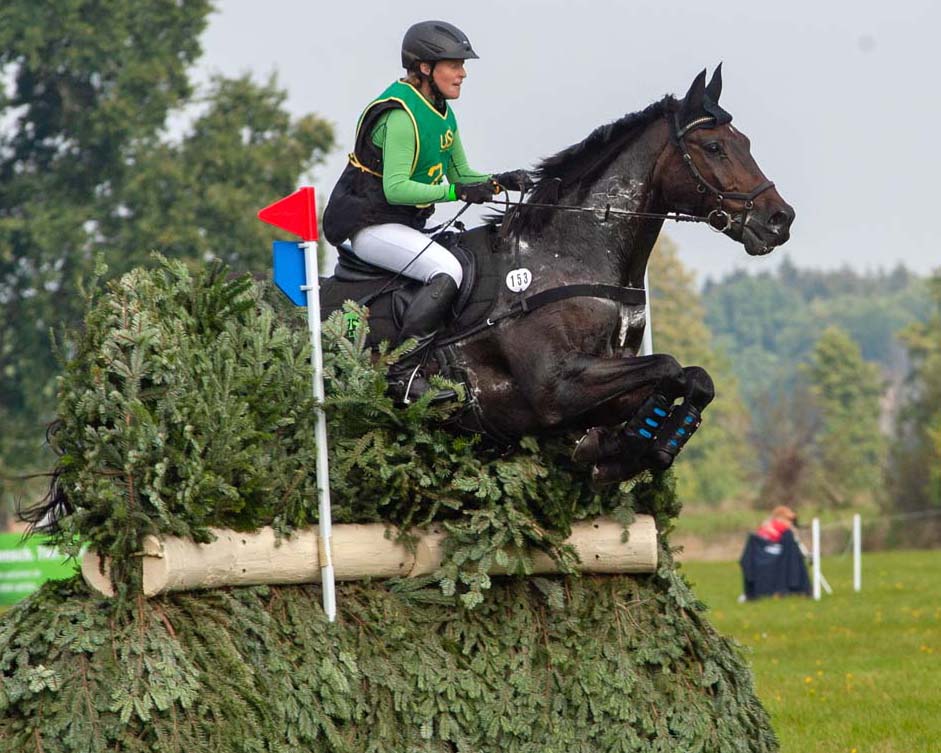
447,139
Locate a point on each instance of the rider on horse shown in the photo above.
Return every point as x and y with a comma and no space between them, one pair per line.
407,143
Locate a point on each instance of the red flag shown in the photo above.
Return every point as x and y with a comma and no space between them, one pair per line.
296,213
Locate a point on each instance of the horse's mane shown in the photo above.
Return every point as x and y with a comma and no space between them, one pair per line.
579,165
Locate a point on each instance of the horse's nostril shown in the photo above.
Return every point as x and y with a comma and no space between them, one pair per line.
781,221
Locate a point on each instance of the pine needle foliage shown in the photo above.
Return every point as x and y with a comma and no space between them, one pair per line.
186,404
618,665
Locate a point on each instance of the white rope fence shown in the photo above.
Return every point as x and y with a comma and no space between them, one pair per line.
819,581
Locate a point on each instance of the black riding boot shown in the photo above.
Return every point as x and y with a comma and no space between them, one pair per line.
423,319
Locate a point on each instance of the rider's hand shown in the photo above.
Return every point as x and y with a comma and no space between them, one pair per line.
514,180
474,193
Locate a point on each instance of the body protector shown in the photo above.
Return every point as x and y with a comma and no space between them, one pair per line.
358,200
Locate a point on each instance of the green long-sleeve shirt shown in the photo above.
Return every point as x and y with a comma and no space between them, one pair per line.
395,135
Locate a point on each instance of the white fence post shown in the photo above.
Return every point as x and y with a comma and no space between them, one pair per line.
857,553
646,345
815,553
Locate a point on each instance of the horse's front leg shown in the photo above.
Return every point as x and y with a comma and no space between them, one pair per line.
580,390
653,437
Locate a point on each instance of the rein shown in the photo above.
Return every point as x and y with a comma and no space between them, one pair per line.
607,210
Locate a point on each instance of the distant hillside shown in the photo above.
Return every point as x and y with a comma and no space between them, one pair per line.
767,323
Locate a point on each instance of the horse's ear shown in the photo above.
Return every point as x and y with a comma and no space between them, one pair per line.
714,88
692,102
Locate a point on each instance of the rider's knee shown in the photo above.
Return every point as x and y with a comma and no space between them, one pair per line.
448,266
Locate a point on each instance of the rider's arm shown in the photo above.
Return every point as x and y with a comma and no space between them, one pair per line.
460,171
395,135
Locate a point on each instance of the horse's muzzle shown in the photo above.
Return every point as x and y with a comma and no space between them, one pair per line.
763,231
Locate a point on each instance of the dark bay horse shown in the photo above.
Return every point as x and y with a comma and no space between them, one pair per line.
572,365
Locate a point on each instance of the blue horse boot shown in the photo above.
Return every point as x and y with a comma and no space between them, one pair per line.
677,429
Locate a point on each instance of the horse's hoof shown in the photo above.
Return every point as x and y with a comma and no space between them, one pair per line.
615,472
588,448
660,460
601,476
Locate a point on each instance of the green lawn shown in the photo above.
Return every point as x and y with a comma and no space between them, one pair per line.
853,673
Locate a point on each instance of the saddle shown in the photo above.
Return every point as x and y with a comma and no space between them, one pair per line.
388,295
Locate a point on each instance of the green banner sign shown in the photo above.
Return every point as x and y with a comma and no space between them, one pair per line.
26,565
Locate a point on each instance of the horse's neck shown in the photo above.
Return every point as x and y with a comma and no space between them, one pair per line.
619,249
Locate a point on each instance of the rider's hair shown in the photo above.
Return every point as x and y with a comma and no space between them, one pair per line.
416,77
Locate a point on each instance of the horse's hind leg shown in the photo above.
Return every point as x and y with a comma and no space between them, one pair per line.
653,441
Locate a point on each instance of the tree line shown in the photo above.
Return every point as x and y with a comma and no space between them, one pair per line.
89,173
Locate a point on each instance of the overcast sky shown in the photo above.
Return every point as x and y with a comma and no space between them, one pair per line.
840,99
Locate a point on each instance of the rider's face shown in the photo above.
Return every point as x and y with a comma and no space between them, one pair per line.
448,77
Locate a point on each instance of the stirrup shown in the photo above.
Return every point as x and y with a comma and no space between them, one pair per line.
417,386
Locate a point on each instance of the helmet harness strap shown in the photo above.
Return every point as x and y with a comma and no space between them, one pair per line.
439,101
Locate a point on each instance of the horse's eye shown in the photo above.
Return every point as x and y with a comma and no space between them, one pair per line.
713,147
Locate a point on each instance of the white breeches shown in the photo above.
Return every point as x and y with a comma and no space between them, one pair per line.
393,247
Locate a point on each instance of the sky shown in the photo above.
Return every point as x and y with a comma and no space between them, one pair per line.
840,99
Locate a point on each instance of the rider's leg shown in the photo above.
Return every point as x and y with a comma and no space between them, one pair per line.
400,248
403,249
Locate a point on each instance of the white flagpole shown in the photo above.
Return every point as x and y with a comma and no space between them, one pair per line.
312,288
646,345
857,553
815,549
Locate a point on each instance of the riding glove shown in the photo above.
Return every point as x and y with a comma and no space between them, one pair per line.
474,193
514,180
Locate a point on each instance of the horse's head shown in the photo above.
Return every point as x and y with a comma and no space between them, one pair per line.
710,172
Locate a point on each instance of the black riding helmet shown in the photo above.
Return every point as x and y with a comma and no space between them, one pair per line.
431,41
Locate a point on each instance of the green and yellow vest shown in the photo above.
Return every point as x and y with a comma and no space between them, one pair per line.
357,200
434,133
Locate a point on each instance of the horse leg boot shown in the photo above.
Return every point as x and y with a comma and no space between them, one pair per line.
423,320
683,420
633,437
670,436
633,443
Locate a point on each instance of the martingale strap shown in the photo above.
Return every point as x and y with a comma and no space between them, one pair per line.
627,296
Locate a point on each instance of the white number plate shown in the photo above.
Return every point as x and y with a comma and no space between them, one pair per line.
518,280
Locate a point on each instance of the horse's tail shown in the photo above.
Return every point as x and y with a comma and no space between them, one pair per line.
43,517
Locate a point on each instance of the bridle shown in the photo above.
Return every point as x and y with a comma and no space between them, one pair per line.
719,219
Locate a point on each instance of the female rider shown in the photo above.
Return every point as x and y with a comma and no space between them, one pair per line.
407,143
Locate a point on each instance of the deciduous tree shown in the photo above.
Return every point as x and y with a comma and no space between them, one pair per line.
850,447
87,167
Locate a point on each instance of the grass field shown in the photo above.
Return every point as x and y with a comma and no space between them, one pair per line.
853,673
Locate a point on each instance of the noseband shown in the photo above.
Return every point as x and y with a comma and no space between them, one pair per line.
720,219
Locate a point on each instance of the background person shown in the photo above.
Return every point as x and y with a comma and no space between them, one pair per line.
772,561
782,519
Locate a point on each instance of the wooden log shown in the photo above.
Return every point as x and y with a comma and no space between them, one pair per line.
359,551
